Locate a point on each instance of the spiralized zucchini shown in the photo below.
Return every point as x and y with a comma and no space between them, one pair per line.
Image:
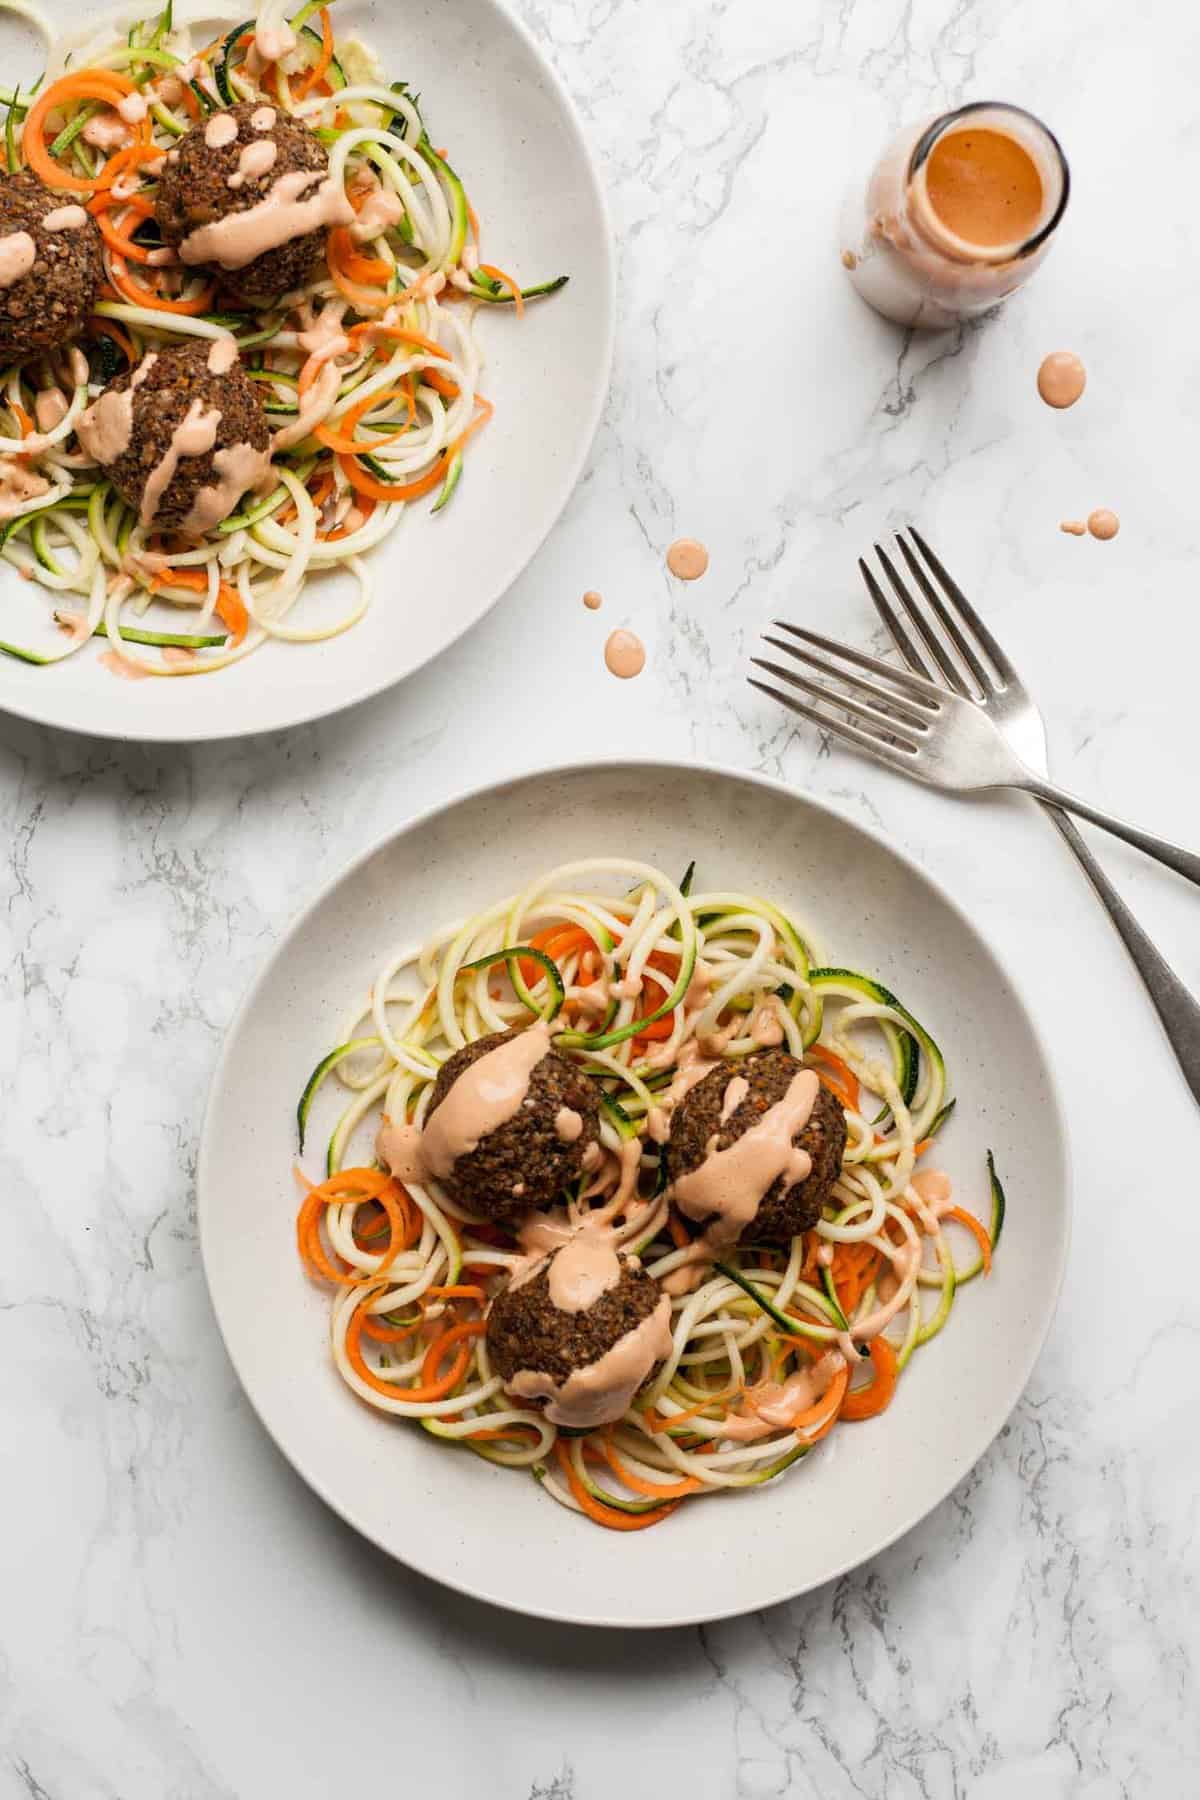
636,974
390,429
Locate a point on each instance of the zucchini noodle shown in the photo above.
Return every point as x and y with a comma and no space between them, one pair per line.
640,980
392,429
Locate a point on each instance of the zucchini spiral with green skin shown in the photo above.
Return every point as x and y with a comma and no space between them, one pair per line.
396,426
632,972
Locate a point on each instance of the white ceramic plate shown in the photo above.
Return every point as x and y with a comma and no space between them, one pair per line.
490,1531
493,100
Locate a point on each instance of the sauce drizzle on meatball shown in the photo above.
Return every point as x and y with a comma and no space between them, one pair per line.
728,1187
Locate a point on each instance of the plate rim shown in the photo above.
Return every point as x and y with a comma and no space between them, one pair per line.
1032,1344
372,688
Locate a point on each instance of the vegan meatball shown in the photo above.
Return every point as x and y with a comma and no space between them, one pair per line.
581,1333
698,1123
50,267
227,164
528,1160
182,437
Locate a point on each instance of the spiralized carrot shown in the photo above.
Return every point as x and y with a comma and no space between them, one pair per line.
378,328
324,58
85,84
348,1185
435,1389
343,253
604,1515
142,296
340,437
412,490
514,287
650,1490
867,1402
836,1075
978,1230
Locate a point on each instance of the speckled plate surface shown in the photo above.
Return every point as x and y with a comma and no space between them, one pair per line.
491,97
491,1532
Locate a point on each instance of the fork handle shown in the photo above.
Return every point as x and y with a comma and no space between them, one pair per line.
1175,1006
1184,862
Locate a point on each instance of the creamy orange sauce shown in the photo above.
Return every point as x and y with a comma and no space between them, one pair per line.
50,408
18,485
222,356
984,187
379,212
568,1125
729,1186
195,435
105,429
221,130
625,655
106,131
1061,378
933,1194
734,1094
119,665
773,1406
274,40
286,211
17,254
317,401
766,1027
592,600
601,1392
257,158
1074,527
320,328
65,218
1103,524
582,1270
238,468
687,559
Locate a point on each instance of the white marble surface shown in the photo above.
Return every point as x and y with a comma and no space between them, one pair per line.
179,1618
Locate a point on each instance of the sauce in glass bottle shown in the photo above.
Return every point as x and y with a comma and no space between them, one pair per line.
957,214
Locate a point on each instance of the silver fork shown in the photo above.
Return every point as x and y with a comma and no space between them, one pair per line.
965,722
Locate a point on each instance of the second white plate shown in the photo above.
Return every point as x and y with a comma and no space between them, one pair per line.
492,99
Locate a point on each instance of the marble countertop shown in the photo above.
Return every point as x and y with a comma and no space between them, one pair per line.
179,1618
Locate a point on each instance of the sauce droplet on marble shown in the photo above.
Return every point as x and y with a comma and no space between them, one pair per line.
592,600
1103,524
1061,378
687,558
625,654
1074,527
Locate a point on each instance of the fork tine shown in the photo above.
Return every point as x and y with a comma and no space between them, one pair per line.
886,752
918,686
967,612
899,636
861,710
949,623
929,636
899,707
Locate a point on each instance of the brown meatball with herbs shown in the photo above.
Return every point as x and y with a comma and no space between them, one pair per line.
165,388
527,1334
45,306
194,190
526,1162
697,1123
